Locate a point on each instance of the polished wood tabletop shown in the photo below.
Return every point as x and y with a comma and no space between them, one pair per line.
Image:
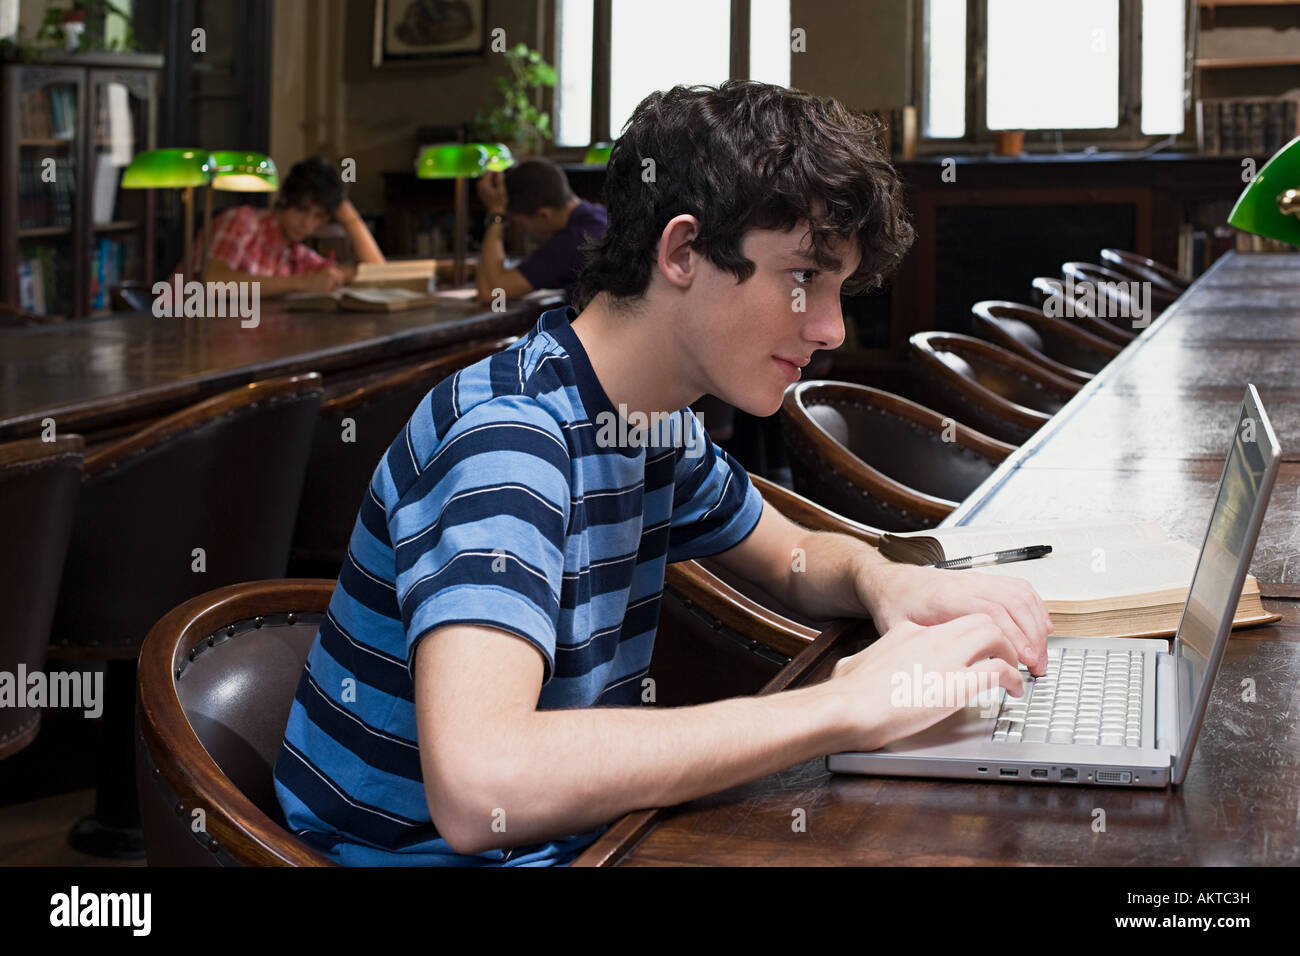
88,374
1145,440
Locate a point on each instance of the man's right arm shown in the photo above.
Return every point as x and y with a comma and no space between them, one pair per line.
485,750
323,280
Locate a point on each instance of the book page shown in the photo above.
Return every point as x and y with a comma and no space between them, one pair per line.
1096,571
384,295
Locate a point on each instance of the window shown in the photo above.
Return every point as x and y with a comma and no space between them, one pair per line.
1105,69
611,53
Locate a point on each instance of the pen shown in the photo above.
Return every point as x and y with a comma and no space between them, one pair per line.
994,557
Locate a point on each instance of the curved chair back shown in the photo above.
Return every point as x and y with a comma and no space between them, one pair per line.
719,636
1140,267
39,483
997,391
201,498
1078,312
217,677
1115,302
341,465
881,459
1053,343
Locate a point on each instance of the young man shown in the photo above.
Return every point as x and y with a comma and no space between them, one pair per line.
266,245
474,695
536,194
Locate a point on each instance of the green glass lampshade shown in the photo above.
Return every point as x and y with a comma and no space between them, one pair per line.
598,154
499,157
462,160
168,169
1257,209
240,171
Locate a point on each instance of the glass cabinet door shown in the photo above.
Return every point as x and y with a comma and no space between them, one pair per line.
120,219
49,131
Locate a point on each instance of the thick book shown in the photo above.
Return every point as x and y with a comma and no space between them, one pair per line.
1110,580
350,299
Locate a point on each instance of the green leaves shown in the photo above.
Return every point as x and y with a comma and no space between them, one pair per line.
515,119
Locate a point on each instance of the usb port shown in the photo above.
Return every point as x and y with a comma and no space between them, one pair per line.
982,769
1006,772
1038,772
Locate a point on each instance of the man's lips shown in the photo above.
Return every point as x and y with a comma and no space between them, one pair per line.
792,367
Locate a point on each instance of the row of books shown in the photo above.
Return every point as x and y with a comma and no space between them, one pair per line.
48,113
42,203
1247,125
110,260
45,280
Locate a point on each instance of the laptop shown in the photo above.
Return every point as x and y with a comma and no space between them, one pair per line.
1111,711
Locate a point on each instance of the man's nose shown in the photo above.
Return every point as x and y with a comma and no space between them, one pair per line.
826,326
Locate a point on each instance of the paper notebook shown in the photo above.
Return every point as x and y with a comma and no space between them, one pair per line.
1111,580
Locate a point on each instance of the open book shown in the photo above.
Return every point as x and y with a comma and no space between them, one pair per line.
1109,580
351,299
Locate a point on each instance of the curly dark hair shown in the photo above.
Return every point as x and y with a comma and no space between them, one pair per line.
312,180
741,156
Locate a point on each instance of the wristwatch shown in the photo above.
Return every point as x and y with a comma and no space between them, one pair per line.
492,218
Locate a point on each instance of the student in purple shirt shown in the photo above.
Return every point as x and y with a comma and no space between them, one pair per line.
535,194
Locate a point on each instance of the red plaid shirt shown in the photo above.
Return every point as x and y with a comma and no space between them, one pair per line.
249,240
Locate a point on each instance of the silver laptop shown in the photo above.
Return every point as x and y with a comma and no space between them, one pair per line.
1111,711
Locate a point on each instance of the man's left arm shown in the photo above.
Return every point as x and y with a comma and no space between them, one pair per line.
828,575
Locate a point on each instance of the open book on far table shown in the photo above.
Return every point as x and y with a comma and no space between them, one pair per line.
377,287
1107,580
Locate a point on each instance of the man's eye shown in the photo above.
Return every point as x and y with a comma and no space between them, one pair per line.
808,275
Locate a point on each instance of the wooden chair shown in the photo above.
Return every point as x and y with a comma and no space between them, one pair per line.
1046,288
339,472
1121,308
719,636
201,498
1053,343
1140,267
217,678
1003,394
881,459
39,483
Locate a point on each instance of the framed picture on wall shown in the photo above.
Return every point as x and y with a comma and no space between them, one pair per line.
419,32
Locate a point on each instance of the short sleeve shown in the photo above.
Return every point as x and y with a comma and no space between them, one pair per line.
479,535
306,259
232,231
554,265
715,506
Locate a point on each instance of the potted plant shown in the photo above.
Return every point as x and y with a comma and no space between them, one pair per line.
516,121
82,27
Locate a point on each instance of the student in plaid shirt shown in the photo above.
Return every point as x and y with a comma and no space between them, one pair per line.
265,245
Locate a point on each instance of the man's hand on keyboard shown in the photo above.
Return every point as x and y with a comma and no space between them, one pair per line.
929,596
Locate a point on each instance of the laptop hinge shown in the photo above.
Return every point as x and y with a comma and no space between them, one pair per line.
1166,703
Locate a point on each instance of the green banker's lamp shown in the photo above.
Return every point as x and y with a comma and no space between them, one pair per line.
239,171
172,169
461,161
1270,205
598,154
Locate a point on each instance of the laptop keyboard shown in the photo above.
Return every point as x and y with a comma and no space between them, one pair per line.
1088,696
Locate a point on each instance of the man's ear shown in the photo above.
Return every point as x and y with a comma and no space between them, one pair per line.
676,259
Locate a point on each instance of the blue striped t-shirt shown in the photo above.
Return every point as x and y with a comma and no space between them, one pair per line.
515,497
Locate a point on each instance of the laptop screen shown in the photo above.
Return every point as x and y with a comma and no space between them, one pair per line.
1216,586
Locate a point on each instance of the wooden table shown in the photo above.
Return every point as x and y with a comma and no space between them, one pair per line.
1146,439
95,376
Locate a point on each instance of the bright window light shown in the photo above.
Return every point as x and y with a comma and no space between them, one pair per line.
769,41
657,46
945,58
1162,67
1053,64
574,41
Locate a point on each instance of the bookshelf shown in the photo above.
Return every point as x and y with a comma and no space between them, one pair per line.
68,233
